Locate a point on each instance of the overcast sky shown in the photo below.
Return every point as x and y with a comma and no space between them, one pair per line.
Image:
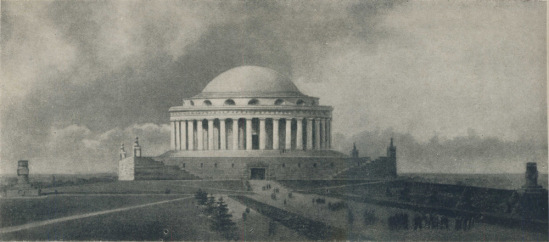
80,77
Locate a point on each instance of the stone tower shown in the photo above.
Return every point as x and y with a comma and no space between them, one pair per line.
392,159
354,152
136,148
391,151
531,177
122,152
23,172
23,188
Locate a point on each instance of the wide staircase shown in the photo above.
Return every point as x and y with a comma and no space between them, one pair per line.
147,168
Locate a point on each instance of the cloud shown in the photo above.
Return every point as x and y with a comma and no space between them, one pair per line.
75,149
461,154
442,67
97,68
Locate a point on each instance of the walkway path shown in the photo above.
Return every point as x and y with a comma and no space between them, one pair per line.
80,216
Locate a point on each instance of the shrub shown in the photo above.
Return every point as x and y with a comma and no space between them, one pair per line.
337,206
201,196
350,216
369,217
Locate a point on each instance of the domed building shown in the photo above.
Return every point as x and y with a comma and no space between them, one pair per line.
250,122
250,108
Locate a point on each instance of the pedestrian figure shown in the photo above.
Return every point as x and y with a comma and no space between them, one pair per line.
417,222
444,221
435,221
272,228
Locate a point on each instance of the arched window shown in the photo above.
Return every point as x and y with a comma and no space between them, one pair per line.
300,102
229,102
215,165
283,164
192,103
314,165
253,102
279,102
207,103
232,165
201,165
298,164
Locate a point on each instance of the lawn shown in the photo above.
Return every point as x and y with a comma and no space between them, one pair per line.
154,187
20,211
179,220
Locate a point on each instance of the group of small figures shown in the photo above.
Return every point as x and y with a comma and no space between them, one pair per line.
430,221
266,187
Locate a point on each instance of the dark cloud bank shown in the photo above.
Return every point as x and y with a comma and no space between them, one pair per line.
73,120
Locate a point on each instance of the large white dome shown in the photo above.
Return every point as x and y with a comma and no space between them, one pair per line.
250,81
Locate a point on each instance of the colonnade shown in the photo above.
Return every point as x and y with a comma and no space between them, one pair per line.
251,134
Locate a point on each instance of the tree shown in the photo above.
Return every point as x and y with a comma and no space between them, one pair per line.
222,222
210,205
201,197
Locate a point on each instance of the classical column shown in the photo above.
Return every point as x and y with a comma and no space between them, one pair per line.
329,133
199,135
288,142
275,134
299,135
190,131
262,134
317,134
172,136
309,133
177,135
248,134
235,134
222,137
323,134
210,134
183,132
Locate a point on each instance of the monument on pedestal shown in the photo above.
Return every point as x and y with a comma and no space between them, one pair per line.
533,201
23,188
531,175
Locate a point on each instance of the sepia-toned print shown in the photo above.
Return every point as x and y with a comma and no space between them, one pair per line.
278,120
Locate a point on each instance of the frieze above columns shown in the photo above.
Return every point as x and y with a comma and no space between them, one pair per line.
213,114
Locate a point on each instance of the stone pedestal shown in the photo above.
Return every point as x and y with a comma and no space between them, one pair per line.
23,188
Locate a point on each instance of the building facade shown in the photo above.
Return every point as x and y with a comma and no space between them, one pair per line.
249,122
